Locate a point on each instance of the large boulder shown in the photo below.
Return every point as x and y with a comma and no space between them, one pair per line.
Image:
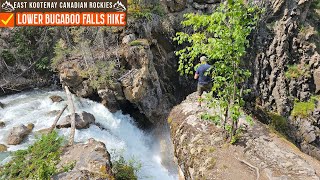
83,120
1,105
56,98
70,75
17,134
92,161
142,85
2,124
128,38
112,98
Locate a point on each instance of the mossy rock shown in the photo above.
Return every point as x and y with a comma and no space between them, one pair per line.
303,109
169,120
3,148
139,42
43,131
279,125
30,126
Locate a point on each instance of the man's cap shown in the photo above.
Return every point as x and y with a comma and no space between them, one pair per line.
203,58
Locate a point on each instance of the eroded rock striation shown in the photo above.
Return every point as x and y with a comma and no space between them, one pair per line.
286,67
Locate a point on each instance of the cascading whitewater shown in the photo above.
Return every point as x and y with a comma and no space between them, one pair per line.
118,131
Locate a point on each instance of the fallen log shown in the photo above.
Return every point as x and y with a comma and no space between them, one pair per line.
57,119
73,115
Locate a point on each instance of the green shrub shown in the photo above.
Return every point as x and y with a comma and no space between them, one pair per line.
216,119
101,74
279,123
315,4
159,10
139,10
303,109
8,57
43,64
61,52
135,43
295,71
37,162
124,170
139,42
141,14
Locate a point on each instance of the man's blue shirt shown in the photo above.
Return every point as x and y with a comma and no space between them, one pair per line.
203,79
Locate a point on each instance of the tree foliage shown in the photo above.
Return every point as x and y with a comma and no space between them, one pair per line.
223,37
37,162
34,44
101,67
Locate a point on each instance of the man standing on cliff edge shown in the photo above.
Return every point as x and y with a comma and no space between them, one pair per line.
204,81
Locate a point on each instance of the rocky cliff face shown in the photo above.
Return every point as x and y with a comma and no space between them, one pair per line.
286,64
148,83
203,154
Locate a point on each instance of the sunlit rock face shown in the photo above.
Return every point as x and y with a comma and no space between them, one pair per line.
202,152
92,160
285,68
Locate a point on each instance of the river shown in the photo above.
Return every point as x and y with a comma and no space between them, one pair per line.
120,133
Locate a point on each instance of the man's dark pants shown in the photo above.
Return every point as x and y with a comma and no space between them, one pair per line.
203,87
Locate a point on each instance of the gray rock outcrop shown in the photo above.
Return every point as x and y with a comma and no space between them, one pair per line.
17,134
1,105
92,161
202,152
83,120
56,98
286,67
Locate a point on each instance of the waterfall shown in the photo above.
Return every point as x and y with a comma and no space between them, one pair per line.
117,131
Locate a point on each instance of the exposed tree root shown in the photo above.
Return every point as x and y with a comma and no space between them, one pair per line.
251,166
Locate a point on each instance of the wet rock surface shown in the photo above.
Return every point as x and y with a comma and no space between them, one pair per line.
56,98
3,148
83,120
2,124
202,153
91,161
1,105
17,134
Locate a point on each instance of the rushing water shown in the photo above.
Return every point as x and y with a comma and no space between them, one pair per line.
120,134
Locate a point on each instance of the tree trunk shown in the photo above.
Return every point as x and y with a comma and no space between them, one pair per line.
73,115
234,125
57,119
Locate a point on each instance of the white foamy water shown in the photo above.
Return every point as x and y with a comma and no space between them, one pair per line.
120,134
